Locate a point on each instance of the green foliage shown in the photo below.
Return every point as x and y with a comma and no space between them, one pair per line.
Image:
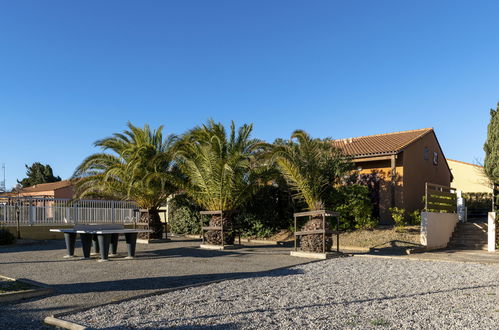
311,167
184,216
267,211
354,205
478,200
140,168
253,226
6,237
415,217
398,215
491,147
38,173
220,167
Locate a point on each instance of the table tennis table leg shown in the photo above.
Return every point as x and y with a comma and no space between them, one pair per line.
114,244
131,242
70,239
86,245
95,244
104,240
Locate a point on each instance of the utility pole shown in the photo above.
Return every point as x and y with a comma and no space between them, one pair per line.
2,183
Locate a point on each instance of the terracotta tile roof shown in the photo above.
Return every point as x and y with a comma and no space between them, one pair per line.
47,186
381,144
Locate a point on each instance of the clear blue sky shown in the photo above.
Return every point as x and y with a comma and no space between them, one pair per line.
73,72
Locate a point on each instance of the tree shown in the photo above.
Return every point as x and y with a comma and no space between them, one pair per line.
311,167
491,148
140,168
221,171
38,173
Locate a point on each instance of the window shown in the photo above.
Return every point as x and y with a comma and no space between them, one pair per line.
435,158
426,153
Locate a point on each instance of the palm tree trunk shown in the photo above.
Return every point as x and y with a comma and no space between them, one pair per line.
314,242
151,217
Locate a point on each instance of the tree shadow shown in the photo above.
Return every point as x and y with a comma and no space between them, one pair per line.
163,282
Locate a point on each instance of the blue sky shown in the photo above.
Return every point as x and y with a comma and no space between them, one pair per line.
73,72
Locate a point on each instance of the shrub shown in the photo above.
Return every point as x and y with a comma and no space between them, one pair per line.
355,207
415,217
366,223
398,215
252,226
268,211
184,216
6,237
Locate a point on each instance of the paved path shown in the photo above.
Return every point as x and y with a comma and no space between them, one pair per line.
158,266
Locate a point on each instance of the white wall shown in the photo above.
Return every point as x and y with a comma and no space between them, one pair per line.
491,234
437,228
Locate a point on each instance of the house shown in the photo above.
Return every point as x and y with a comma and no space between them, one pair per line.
59,189
404,162
469,178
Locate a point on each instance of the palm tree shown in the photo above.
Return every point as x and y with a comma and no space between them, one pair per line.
140,168
221,171
311,167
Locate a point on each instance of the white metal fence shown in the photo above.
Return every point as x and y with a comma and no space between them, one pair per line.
40,211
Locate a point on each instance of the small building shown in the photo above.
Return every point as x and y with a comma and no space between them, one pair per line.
469,178
403,162
59,189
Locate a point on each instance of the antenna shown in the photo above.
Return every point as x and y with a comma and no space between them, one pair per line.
2,183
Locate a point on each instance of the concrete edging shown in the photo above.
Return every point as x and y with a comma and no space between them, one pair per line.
50,320
41,290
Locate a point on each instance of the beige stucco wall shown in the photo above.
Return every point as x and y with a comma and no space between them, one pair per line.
469,177
437,228
418,171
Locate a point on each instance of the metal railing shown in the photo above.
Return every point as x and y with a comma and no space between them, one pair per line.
29,211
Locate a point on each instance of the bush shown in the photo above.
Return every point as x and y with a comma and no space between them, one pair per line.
415,217
184,216
355,207
478,200
269,210
6,237
398,215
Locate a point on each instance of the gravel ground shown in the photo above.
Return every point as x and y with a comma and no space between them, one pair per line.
160,266
354,293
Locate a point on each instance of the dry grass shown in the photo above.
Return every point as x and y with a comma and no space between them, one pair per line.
382,237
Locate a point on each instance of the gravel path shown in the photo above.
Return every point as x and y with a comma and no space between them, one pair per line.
354,293
158,267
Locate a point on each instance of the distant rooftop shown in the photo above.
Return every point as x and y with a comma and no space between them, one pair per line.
47,186
380,144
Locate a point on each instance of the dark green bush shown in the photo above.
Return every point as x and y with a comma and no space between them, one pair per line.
355,207
184,216
478,200
6,237
268,211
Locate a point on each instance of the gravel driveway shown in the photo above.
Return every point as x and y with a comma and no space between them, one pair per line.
353,293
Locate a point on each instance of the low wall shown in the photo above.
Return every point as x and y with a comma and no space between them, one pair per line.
437,228
42,232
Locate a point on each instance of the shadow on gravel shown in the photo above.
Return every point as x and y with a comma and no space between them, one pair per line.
164,282
38,246
392,248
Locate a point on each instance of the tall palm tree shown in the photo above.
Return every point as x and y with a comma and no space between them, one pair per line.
311,167
140,168
221,170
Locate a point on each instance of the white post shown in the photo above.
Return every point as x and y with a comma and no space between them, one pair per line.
491,242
